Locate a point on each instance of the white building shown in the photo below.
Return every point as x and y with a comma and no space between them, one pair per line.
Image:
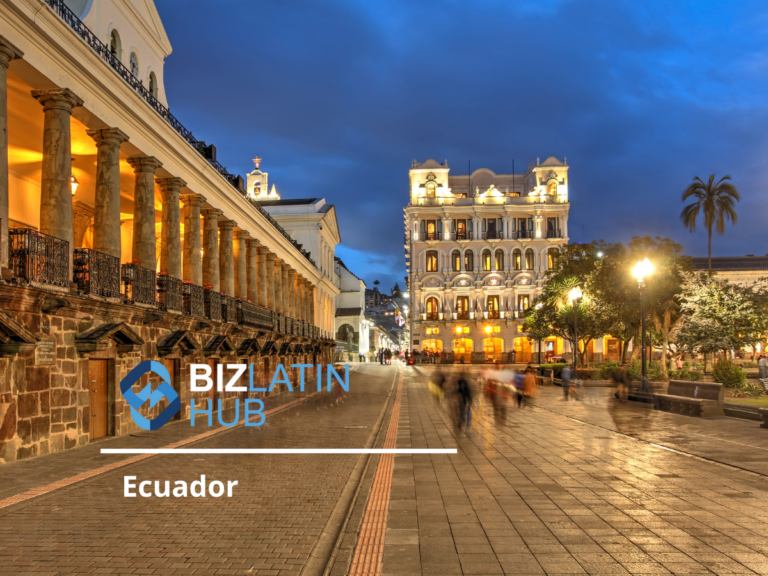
477,250
351,325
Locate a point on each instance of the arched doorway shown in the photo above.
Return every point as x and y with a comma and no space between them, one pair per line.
493,348
462,348
522,350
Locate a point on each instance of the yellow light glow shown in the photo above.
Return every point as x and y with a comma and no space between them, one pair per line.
575,293
488,329
73,183
643,269
458,329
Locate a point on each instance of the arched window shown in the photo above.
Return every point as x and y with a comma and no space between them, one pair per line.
552,188
529,259
432,308
153,85
517,256
115,47
432,261
431,189
134,62
257,188
456,260
486,260
469,261
499,259
552,255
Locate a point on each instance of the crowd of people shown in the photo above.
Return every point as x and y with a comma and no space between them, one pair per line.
463,398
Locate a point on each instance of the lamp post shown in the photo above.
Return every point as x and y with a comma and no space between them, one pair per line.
575,295
641,270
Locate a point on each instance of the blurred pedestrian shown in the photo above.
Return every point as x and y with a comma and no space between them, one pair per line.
530,387
519,383
762,367
679,362
565,377
622,379
464,397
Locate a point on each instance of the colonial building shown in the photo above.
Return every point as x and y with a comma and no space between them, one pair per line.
351,326
122,238
745,270
477,249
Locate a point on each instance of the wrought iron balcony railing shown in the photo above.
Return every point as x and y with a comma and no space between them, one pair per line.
280,325
139,285
253,315
229,309
522,234
97,273
193,300
213,306
38,258
170,293
462,235
493,235
554,233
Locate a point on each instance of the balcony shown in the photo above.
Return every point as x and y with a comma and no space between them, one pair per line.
495,200
193,300
170,293
522,234
253,315
464,315
96,273
229,309
493,235
554,233
212,299
281,323
431,236
38,259
139,285
467,235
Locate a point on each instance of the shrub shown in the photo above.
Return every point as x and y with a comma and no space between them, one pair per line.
728,374
606,370
588,374
688,375
636,370
557,369
749,364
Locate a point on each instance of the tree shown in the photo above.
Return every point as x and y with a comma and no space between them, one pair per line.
716,202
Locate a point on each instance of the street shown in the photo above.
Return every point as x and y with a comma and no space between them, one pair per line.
562,488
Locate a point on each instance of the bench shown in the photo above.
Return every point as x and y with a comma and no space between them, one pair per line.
763,412
701,399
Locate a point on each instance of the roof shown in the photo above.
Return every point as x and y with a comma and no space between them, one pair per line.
731,263
341,262
348,312
288,202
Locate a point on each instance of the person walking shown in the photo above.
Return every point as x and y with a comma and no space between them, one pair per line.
530,387
566,376
622,378
679,363
464,397
762,367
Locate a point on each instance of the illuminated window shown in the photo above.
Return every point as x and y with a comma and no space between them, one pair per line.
552,254
519,327
432,230
552,188
456,260
523,302
529,259
433,330
499,257
486,260
466,329
469,261
432,261
493,306
431,189
462,307
496,329
517,259
432,308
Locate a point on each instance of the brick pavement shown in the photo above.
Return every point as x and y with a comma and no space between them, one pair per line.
548,494
269,527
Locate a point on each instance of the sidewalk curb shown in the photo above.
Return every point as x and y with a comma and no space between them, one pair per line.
326,549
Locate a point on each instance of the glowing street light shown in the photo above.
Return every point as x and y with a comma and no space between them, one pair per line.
641,270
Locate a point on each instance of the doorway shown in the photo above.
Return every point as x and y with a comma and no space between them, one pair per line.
98,398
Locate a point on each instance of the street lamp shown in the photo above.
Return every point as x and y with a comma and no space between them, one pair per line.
575,295
641,270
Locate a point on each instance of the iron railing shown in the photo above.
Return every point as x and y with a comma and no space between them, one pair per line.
139,285
288,326
463,235
213,306
38,258
554,233
229,309
170,294
493,235
522,234
97,273
193,300
280,325
253,315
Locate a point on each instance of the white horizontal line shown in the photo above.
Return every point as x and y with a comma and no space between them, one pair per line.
278,450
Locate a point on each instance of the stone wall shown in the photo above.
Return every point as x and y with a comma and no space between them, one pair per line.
44,393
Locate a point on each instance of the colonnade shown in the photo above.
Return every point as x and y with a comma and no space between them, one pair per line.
216,254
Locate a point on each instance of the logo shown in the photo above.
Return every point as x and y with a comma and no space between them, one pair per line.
165,390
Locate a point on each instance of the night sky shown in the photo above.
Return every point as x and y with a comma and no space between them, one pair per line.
339,97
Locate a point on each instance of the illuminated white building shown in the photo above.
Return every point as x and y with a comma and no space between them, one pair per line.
477,249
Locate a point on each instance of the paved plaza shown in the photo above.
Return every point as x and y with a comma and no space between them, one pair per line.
561,488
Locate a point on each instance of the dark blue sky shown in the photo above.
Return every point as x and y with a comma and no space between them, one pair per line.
339,97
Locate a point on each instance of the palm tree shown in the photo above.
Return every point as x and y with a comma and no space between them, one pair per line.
716,201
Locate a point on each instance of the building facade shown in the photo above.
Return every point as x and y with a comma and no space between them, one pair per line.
352,329
477,250
122,238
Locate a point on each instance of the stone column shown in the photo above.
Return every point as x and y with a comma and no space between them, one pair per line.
287,280
261,262
170,243
144,239
8,52
226,257
192,259
269,274
211,248
300,298
241,265
254,277
55,188
278,294
106,216
311,304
